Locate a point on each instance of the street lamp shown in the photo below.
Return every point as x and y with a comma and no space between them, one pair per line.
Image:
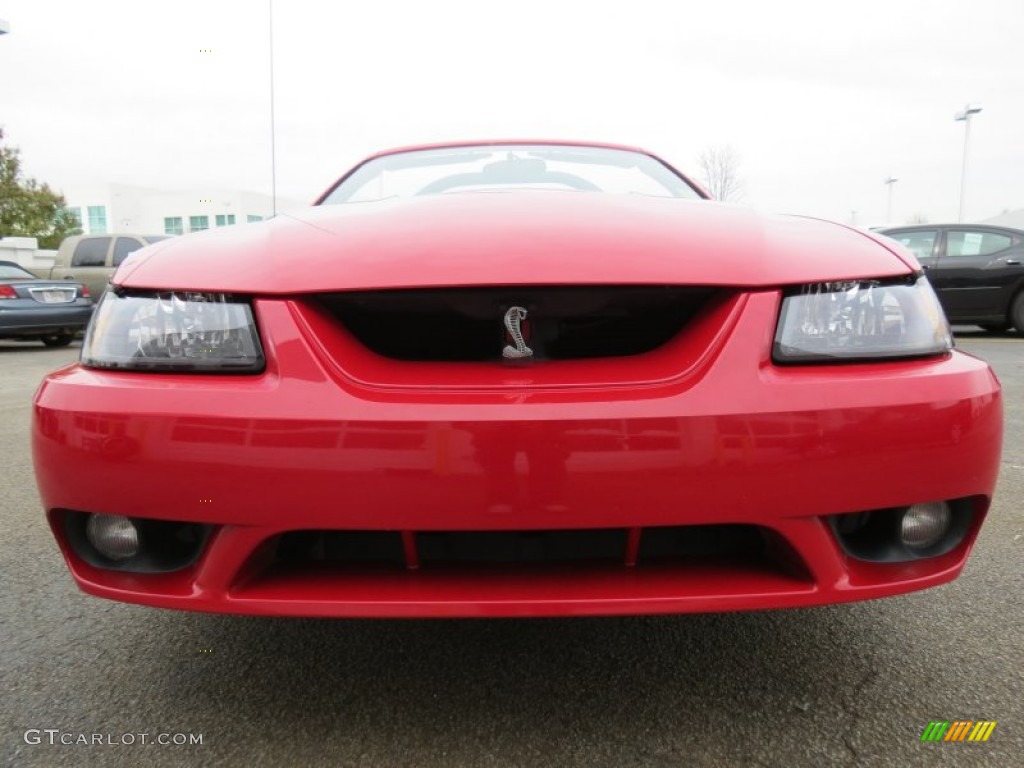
969,111
273,130
888,211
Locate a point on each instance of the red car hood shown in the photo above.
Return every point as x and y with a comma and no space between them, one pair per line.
512,238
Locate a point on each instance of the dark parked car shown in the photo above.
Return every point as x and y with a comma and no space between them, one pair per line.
50,311
977,270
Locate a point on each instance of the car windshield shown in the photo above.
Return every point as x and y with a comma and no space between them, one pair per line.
14,272
502,167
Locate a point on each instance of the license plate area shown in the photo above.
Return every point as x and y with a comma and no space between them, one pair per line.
53,295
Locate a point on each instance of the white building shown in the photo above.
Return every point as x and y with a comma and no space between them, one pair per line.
113,208
25,251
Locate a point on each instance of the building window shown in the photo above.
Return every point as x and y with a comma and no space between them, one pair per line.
75,214
225,219
198,223
250,218
97,219
173,225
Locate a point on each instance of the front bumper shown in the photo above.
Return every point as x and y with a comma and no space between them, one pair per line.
302,448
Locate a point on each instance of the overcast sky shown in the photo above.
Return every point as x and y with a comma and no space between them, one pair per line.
821,100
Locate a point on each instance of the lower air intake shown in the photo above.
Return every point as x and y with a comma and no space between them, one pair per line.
603,547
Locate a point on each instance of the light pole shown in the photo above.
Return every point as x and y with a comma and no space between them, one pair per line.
888,211
273,132
969,111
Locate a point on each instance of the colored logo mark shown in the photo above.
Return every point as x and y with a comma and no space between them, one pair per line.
958,730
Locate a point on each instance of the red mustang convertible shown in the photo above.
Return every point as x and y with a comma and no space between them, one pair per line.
517,379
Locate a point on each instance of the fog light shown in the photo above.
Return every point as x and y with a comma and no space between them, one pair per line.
924,525
113,536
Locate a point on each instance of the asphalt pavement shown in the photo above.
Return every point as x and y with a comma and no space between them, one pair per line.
842,685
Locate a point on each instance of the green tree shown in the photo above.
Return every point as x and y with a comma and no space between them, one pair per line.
28,208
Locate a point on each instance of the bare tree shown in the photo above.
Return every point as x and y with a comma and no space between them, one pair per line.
720,172
918,218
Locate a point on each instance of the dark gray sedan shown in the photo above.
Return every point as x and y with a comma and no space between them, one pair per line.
50,311
977,270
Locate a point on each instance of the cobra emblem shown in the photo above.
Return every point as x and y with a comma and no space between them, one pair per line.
513,322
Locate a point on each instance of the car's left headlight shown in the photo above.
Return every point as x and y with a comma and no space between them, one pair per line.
173,331
861,320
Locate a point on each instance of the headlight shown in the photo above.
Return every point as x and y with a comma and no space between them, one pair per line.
861,320
173,331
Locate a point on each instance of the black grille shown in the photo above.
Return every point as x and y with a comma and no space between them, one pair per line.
506,547
603,546
562,322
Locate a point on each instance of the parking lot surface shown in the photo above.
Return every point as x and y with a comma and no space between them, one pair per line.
843,685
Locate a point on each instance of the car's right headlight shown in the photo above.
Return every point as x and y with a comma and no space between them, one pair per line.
861,320
173,331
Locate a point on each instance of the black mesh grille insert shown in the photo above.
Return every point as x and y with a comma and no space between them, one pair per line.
357,547
521,546
609,547
700,541
561,322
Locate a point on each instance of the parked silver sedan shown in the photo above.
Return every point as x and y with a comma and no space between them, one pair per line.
50,311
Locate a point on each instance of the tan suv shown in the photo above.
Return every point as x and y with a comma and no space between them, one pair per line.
92,259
